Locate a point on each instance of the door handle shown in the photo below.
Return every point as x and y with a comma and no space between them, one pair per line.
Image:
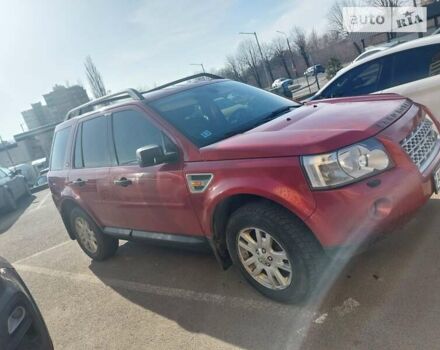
79,182
123,181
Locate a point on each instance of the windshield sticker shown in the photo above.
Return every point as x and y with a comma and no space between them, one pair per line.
206,134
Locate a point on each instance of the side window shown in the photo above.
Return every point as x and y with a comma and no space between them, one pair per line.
361,80
57,158
415,64
132,130
95,146
78,157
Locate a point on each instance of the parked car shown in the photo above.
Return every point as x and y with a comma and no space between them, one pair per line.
41,183
21,325
40,164
29,172
268,183
282,82
411,69
12,187
375,49
314,70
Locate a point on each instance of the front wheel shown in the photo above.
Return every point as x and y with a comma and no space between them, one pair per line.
90,238
275,251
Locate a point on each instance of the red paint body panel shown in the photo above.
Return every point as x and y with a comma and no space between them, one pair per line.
264,162
307,130
157,201
278,179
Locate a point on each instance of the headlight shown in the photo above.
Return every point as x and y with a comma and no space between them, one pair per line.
347,165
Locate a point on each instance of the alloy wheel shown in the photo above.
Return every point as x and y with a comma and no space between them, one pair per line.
264,258
86,235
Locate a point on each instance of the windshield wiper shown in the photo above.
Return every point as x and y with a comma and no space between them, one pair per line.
276,113
272,115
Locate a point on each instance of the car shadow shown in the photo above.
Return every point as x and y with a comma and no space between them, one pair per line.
7,219
190,288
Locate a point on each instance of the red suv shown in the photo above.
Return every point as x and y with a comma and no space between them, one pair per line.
270,184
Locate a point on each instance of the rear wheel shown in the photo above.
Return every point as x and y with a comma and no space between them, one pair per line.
90,238
274,251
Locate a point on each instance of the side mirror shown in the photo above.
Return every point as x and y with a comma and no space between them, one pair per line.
152,155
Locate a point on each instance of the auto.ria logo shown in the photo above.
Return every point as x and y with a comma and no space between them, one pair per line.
402,19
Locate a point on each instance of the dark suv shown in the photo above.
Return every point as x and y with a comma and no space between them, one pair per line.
268,183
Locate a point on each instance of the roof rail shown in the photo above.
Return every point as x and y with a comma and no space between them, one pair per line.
199,75
127,93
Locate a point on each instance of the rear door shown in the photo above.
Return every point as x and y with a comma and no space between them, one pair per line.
89,176
416,74
155,198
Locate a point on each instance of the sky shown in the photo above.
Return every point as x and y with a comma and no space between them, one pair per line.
134,43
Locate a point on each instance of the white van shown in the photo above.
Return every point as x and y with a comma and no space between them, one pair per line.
410,69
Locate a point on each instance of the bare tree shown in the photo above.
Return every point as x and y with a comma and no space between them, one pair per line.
94,78
279,52
336,21
248,56
314,40
234,65
300,41
267,52
390,3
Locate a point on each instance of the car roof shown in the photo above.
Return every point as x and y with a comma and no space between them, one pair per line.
429,40
149,96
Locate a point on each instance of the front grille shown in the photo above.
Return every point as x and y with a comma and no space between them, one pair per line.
422,143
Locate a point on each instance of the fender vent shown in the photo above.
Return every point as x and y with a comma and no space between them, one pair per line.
198,183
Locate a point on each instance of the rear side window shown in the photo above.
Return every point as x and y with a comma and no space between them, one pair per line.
131,130
94,141
58,156
415,64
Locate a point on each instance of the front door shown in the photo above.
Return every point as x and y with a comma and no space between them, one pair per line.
152,199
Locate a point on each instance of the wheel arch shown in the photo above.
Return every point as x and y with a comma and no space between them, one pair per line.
66,207
223,211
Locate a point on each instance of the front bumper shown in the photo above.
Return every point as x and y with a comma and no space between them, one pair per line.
355,213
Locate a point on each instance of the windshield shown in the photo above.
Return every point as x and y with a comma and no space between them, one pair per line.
210,113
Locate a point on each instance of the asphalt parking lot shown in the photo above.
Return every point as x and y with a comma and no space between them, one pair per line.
150,297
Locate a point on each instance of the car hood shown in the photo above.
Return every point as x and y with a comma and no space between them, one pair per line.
317,127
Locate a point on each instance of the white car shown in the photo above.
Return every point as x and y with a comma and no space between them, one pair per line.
281,81
375,49
411,69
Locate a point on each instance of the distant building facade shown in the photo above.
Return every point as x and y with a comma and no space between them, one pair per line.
41,121
58,102
37,116
62,99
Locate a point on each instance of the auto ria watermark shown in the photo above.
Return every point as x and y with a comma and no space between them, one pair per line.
404,19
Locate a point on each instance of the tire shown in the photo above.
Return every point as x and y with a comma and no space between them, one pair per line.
93,242
11,203
290,238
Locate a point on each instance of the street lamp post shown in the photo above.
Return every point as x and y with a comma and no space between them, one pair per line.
198,64
291,52
261,54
